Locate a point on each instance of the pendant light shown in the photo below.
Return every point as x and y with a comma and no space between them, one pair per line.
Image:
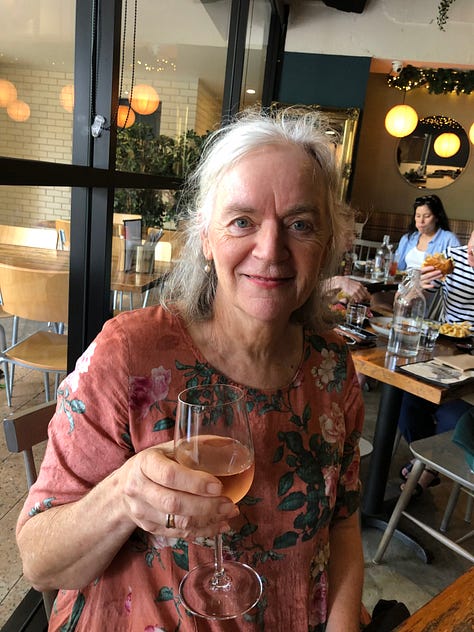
66,97
125,116
18,111
471,133
145,99
447,144
8,93
401,120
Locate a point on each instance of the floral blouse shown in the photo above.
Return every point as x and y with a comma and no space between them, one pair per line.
121,398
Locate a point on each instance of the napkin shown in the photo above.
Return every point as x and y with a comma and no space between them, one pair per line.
463,436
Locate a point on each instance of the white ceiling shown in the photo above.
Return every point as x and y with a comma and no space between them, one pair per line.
193,33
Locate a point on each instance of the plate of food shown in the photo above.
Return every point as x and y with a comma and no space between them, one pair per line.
456,330
381,325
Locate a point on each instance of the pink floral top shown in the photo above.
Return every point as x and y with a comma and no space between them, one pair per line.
121,399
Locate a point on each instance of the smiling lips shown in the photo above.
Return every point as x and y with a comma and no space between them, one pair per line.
269,281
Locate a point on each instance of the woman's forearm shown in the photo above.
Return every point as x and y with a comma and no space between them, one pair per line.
346,575
69,546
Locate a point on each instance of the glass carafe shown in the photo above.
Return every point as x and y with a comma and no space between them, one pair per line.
408,313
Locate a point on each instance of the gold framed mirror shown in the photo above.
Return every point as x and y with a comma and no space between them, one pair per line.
344,122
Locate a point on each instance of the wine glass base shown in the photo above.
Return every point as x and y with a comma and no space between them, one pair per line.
202,599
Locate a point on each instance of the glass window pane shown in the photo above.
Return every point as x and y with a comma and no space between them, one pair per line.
255,52
183,62
36,79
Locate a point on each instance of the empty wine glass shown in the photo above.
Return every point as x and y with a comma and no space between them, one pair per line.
212,434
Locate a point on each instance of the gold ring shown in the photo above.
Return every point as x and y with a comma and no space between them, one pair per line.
170,521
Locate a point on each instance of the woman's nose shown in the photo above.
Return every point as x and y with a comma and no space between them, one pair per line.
270,243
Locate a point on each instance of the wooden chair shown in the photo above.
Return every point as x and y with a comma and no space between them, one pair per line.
29,236
38,295
24,430
365,249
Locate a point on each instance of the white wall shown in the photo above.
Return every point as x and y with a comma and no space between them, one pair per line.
389,29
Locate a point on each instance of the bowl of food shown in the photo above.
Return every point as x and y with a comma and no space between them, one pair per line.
459,330
381,325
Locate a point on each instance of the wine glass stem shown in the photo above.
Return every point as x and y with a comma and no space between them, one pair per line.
220,580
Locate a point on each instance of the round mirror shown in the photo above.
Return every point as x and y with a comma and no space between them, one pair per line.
434,154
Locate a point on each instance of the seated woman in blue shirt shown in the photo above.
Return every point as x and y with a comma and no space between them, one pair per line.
428,233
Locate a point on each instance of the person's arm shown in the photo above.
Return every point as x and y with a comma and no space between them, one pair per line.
70,545
352,289
346,575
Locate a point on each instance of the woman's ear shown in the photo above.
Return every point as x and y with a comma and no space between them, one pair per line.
206,246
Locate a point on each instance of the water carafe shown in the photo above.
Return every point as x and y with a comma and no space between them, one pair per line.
408,313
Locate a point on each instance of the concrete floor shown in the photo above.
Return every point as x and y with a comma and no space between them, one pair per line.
401,576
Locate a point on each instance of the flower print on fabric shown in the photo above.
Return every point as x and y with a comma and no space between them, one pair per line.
318,605
324,374
333,427
82,366
145,392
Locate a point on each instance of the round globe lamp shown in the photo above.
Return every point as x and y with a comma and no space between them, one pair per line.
145,99
7,93
19,111
471,133
125,117
401,120
447,144
66,98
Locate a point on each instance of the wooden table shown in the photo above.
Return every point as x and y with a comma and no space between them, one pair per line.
378,364
451,610
47,259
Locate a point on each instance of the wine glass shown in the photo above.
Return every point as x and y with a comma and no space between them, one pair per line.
212,434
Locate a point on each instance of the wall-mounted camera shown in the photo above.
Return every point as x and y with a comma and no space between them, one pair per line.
397,67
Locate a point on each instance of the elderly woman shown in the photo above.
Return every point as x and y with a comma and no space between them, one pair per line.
113,521
428,233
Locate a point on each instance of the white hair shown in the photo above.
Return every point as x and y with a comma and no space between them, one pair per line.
189,288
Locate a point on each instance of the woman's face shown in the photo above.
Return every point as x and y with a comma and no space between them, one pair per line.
425,221
268,234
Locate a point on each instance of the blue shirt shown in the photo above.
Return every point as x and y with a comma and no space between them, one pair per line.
439,243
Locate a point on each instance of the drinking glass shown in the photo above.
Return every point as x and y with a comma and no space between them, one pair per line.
212,434
355,314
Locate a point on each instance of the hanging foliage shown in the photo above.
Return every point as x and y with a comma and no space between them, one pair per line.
443,10
435,80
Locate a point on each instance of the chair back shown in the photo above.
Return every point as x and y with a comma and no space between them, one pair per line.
40,295
28,236
365,249
24,430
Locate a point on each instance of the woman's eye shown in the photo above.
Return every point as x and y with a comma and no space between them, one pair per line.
300,225
242,222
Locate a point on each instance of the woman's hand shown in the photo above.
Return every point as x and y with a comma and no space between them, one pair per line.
429,274
354,290
154,486
78,540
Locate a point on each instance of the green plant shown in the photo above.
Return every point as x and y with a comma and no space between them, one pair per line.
139,151
443,10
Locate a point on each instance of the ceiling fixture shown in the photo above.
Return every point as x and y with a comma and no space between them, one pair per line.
66,97
447,144
18,111
471,133
125,116
8,93
401,120
144,99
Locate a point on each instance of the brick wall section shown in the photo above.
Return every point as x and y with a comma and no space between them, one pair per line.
47,135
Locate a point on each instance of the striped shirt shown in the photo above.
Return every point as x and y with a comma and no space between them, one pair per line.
458,288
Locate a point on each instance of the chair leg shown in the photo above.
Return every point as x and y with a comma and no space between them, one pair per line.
469,507
401,505
6,373
448,512
396,441
46,387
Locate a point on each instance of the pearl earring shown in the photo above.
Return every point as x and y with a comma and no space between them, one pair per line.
207,268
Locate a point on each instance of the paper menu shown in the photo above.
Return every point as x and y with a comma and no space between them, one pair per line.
464,362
